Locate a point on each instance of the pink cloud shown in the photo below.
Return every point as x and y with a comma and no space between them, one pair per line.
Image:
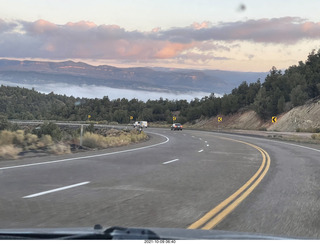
41,26
85,39
170,50
156,30
203,25
288,30
82,25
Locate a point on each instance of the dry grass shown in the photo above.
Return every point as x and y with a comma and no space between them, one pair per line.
316,136
92,140
14,142
136,137
9,152
59,148
45,141
31,141
6,137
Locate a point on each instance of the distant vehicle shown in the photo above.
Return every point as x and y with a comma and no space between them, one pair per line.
176,126
143,124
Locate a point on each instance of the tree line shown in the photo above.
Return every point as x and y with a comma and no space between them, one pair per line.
281,91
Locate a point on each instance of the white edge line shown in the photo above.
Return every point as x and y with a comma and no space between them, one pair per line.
91,156
171,161
200,150
269,140
310,148
266,139
57,189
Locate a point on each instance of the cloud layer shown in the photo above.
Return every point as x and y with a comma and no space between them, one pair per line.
42,39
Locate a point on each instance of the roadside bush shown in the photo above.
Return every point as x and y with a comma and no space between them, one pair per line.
30,141
113,139
9,152
6,137
310,130
316,130
135,136
116,141
45,141
93,140
113,123
315,136
59,148
182,120
51,129
4,123
18,138
13,142
90,128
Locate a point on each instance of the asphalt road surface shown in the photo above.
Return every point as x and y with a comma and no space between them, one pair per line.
177,179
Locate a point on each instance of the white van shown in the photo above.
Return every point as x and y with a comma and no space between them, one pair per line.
143,124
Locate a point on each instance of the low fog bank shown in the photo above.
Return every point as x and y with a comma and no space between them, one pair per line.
92,91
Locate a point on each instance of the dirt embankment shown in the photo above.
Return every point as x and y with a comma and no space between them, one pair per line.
299,122
302,118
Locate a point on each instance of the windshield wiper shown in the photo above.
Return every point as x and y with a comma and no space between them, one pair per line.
113,233
117,233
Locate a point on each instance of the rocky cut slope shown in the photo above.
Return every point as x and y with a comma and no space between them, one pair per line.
305,118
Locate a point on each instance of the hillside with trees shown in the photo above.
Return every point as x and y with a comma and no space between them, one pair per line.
280,92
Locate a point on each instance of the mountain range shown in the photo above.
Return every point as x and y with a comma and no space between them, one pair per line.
148,79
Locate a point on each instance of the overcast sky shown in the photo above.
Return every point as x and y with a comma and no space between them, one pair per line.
198,34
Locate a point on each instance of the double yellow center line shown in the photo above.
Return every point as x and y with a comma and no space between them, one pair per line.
217,214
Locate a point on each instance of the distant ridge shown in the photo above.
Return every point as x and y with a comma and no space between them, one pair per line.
149,79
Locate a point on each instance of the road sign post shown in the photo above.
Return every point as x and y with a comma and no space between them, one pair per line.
219,121
173,119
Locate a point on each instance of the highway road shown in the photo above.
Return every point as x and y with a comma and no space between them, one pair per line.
177,179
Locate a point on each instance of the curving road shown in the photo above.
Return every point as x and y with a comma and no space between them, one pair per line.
188,179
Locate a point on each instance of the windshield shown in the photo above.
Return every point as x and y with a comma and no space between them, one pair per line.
196,114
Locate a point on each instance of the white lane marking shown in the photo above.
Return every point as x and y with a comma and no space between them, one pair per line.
205,141
171,161
200,139
85,157
207,145
57,189
192,136
201,150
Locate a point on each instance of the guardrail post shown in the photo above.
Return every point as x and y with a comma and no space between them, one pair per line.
81,134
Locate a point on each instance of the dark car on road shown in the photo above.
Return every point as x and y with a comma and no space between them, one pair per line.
176,126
